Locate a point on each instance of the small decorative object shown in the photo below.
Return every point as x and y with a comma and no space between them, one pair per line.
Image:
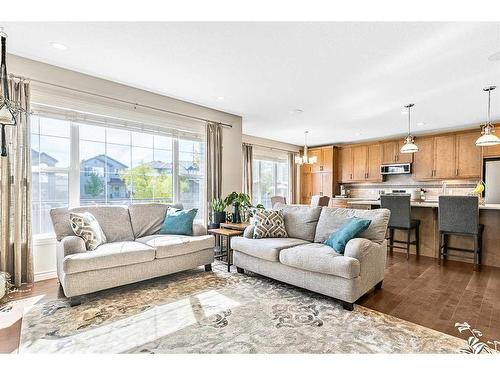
474,343
409,145
488,137
305,158
218,213
8,109
478,191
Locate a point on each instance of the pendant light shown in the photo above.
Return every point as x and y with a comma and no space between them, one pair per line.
305,159
488,137
7,108
409,146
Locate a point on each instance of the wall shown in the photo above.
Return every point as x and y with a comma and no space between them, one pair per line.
44,249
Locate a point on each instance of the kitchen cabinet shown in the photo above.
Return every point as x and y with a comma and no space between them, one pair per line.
318,178
345,164
423,167
373,164
390,153
316,167
305,187
359,162
327,159
402,157
444,157
468,156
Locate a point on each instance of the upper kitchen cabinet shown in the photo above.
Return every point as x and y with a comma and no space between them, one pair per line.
359,162
468,156
345,164
390,153
402,157
423,166
444,157
316,152
374,161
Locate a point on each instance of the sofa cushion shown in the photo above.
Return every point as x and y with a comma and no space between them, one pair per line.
114,221
87,227
351,229
332,219
147,218
268,224
300,221
264,248
109,255
316,257
170,245
179,222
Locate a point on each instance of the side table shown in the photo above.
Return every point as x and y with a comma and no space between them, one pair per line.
219,243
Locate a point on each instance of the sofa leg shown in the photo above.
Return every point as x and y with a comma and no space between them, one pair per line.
379,285
348,306
240,270
74,301
208,267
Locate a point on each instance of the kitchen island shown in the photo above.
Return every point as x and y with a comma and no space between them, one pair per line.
427,213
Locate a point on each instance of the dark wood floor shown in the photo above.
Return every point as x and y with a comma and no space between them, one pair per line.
418,290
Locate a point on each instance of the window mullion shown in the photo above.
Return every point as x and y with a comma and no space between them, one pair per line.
74,170
175,170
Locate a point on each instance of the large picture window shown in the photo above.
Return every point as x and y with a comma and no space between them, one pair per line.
270,176
75,163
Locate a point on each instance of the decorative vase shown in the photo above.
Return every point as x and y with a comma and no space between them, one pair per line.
235,217
219,217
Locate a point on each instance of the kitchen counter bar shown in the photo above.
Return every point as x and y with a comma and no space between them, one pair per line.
430,204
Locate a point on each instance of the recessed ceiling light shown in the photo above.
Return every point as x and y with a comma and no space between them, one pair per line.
220,98
494,57
59,46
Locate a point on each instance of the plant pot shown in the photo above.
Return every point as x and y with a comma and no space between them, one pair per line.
213,226
219,217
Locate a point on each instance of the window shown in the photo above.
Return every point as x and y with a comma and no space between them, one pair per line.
75,163
270,176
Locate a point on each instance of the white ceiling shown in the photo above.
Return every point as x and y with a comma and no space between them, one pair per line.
350,79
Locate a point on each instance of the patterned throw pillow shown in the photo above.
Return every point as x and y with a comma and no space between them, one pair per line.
86,226
269,224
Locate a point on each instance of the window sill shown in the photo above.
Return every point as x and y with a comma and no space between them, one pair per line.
44,239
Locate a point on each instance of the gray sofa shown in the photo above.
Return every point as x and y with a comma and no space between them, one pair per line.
134,250
303,260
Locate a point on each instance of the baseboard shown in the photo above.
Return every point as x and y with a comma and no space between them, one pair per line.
45,275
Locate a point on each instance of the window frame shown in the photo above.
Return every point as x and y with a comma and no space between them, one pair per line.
73,170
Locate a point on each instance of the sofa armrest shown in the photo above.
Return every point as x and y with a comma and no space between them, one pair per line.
371,256
248,233
199,230
72,245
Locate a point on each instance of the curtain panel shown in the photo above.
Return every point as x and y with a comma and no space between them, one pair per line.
214,161
292,167
16,249
247,169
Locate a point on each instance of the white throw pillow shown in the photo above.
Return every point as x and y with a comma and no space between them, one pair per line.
87,227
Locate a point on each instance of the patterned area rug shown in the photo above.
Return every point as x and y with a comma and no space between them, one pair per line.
219,312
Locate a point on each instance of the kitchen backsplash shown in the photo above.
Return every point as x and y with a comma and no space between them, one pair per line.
404,182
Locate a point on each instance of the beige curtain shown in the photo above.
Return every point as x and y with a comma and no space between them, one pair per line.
247,169
16,251
214,161
293,177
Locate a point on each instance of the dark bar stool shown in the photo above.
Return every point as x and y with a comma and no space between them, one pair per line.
400,208
459,216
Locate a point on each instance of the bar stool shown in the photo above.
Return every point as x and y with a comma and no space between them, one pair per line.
400,208
320,201
459,216
277,199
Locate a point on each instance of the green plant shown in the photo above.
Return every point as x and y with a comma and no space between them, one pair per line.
218,205
241,198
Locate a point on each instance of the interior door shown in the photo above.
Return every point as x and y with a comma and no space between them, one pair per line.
359,162
444,153
423,166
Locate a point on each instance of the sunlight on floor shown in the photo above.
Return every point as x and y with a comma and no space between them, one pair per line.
17,309
138,329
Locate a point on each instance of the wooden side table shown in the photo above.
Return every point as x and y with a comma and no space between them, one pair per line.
235,226
219,243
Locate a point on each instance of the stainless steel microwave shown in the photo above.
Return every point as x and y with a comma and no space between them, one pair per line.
401,168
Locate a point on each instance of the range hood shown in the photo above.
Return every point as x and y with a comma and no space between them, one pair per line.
400,168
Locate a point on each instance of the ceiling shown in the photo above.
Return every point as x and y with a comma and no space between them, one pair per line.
351,80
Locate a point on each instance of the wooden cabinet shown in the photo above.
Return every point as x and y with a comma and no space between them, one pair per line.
450,156
359,162
373,164
468,156
402,157
345,164
391,154
444,157
490,151
316,167
318,178
327,159
305,186
423,167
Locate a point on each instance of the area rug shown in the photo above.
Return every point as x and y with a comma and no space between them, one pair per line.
219,312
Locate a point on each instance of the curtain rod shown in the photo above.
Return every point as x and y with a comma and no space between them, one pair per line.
120,100
269,148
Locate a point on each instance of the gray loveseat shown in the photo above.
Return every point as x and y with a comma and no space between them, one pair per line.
134,250
303,260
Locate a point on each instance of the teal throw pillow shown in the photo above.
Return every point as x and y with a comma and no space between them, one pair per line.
179,222
351,229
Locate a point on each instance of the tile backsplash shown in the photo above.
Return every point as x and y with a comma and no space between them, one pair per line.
404,182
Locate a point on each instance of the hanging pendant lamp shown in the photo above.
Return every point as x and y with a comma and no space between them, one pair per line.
488,137
305,159
409,145
7,109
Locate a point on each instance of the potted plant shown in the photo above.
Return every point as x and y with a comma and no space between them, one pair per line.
241,204
217,213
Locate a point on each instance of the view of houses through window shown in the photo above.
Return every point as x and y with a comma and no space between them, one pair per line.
111,166
270,176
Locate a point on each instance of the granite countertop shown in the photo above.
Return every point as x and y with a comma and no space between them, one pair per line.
432,204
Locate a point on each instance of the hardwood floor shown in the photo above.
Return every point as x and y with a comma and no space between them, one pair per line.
418,290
